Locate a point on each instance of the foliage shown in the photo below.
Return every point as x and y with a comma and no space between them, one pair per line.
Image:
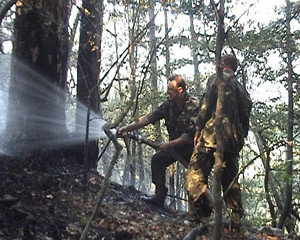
257,46
261,48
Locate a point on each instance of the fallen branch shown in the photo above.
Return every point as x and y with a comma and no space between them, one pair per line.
197,231
8,201
203,229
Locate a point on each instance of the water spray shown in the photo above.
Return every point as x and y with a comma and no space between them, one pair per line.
64,124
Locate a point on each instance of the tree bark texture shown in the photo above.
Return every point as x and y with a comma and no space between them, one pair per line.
88,69
142,186
39,72
153,61
172,172
289,165
133,164
218,227
152,44
167,41
194,45
265,156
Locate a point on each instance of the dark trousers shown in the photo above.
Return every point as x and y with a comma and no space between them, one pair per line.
161,160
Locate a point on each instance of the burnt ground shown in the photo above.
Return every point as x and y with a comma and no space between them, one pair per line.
47,200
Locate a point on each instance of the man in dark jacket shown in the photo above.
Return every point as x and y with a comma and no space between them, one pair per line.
179,112
236,109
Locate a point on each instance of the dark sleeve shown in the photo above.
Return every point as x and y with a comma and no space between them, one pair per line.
158,113
244,104
207,103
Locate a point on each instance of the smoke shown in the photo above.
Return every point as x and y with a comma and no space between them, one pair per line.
39,112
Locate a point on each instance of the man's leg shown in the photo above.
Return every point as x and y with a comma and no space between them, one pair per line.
232,192
196,184
160,161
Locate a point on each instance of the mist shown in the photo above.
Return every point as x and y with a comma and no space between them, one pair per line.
43,108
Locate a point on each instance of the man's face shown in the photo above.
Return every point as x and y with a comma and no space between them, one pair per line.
174,92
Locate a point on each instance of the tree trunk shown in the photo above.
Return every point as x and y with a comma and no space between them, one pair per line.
133,164
218,227
172,172
265,156
142,186
88,69
167,41
153,65
115,35
194,45
38,75
152,44
126,170
289,164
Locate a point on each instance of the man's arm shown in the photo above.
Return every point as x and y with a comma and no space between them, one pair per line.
207,104
143,121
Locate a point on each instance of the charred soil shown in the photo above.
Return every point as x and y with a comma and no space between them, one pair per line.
47,199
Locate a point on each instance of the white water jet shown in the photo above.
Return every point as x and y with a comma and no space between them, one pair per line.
44,93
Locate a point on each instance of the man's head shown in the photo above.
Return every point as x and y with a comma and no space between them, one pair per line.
229,61
176,87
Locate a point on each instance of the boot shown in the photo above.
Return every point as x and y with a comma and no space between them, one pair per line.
235,221
199,211
158,199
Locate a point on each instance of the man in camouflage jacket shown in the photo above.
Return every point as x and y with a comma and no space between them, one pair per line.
179,112
236,109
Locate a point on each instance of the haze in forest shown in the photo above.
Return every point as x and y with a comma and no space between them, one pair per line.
40,93
265,77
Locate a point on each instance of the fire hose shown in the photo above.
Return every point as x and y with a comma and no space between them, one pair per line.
173,154
155,145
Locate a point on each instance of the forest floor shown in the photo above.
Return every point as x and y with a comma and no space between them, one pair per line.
41,200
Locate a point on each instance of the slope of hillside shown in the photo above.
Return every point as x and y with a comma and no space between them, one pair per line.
45,198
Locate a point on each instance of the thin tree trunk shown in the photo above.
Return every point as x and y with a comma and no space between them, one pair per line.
126,172
167,41
218,227
153,62
289,165
133,164
88,68
104,185
131,154
152,44
72,36
142,186
172,172
266,162
194,45
178,203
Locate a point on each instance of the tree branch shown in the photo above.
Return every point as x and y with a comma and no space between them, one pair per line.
106,180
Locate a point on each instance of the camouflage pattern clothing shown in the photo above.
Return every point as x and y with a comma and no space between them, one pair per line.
237,106
180,123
